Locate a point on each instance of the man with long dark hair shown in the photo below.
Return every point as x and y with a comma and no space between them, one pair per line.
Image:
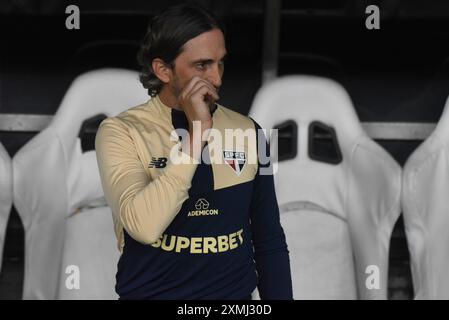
190,226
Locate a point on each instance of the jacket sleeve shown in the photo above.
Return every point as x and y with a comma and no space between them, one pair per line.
144,207
270,247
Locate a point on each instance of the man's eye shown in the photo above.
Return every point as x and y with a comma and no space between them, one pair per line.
200,66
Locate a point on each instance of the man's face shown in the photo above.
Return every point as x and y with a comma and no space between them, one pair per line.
202,56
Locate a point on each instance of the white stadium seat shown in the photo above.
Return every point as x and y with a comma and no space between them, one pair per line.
426,212
5,196
69,235
338,208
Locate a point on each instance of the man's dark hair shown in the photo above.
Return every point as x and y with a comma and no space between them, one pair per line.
166,35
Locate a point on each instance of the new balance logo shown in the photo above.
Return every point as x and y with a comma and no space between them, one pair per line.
157,163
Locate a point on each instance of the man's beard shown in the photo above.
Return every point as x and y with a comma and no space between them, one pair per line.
176,87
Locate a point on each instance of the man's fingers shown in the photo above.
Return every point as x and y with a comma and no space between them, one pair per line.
189,86
205,90
195,84
201,83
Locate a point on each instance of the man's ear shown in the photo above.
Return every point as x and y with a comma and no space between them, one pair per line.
162,70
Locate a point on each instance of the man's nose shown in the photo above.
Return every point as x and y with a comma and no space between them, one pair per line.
214,76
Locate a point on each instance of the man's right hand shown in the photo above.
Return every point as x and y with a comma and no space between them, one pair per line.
195,100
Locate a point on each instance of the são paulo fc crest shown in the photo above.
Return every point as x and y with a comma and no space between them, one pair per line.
236,160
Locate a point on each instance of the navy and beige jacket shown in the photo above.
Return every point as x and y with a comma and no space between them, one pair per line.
187,230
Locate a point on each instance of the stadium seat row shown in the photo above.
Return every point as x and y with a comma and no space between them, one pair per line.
339,192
